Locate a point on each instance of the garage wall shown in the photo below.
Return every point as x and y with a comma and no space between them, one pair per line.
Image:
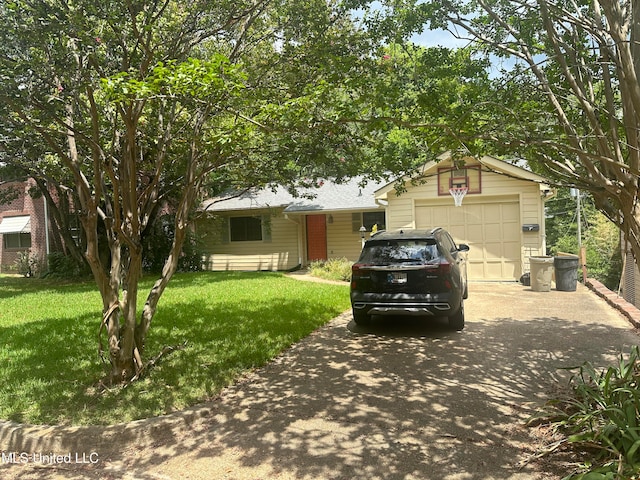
489,222
490,228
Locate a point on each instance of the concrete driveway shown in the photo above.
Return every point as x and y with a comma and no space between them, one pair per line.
402,399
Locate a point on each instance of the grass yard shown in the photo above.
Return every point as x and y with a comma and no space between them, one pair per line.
232,322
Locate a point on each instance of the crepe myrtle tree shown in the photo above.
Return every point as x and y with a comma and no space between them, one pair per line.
564,91
124,105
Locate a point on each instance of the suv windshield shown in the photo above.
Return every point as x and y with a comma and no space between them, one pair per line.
399,251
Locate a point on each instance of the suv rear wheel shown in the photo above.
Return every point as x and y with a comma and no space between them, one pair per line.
361,318
456,321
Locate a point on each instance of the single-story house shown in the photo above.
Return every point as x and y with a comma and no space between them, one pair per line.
271,229
501,218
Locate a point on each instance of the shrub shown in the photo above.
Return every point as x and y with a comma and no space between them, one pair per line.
157,243
601,239
604,259
60,265
338,269
601,419
27,264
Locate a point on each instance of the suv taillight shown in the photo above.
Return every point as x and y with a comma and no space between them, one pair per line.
444,268
356,271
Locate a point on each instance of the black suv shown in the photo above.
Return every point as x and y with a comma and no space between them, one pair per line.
410,272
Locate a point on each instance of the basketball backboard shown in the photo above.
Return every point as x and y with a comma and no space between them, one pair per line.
458,177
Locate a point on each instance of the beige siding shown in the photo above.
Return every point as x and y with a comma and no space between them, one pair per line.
286,248
492,184
533,243
342,241
489,222
400,212
279,252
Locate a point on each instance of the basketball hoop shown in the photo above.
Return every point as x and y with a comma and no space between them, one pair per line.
458,194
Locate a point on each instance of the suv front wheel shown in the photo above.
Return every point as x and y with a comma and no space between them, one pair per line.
456,321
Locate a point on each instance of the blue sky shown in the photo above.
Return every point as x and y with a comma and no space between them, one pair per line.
428,38
438,38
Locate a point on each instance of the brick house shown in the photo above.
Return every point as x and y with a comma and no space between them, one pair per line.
23,227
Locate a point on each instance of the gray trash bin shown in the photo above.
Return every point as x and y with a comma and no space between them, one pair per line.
541,273
566,272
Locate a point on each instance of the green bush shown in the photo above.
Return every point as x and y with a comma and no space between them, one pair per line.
338,269
601,419
27,265
602,245
60,265
157,244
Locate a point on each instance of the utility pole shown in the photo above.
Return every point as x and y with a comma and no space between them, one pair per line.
579,219
582,251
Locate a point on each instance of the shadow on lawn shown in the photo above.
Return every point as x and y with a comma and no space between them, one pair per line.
53,363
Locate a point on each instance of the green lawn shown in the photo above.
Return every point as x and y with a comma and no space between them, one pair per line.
232,323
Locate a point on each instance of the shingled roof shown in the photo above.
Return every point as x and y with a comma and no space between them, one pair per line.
327,196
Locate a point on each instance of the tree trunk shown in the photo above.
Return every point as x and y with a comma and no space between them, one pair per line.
171,264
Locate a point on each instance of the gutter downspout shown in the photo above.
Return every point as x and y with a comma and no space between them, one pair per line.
46,226
547,194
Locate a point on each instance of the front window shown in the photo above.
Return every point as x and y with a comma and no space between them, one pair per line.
368,220
245,229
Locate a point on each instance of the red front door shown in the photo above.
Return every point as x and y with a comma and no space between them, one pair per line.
316,237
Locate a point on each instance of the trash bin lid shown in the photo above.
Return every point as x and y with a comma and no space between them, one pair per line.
541,259
566,260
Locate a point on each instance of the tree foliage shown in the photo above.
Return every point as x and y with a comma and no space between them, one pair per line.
122,108
599,236
564,91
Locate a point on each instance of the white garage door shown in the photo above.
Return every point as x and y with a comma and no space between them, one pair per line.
492,231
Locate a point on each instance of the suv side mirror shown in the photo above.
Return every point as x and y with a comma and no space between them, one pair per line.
463,247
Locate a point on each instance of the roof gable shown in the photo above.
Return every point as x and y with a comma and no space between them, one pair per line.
488,163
